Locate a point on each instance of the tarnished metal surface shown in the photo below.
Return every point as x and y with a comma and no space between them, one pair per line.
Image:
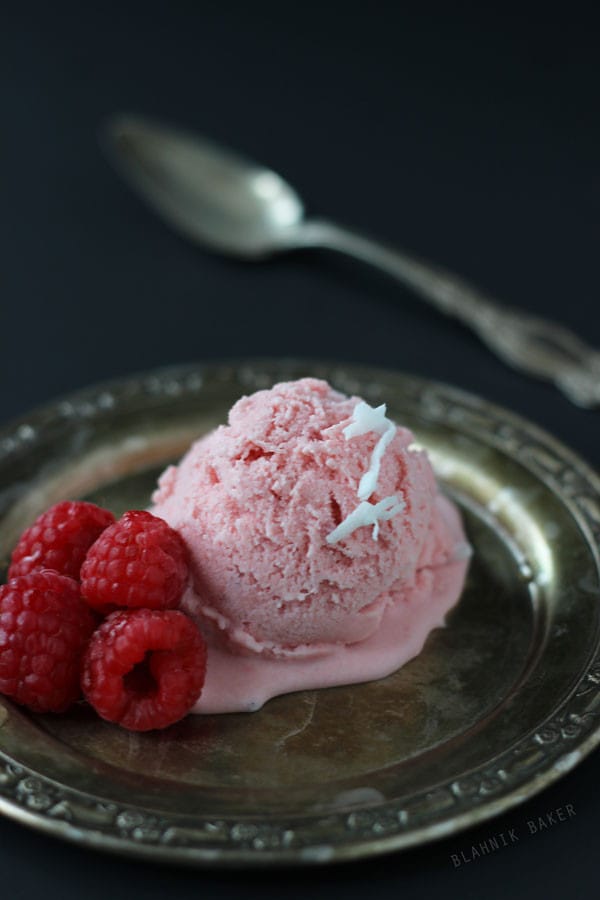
499,703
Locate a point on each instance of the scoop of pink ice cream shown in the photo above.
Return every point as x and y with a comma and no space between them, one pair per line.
255,502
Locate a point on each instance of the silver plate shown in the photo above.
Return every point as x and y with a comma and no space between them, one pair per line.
498,705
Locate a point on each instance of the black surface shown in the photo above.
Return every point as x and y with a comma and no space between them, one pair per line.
472,141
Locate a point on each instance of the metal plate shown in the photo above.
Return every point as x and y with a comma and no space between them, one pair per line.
498,705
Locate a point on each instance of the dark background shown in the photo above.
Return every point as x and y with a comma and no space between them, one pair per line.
470,139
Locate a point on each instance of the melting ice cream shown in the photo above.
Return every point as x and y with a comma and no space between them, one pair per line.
322,551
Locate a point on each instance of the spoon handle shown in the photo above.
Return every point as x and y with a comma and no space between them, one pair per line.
530,344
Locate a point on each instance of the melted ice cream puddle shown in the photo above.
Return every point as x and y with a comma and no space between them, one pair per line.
367,418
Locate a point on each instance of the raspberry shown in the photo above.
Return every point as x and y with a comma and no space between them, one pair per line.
144,668
137,562
59,539
44,628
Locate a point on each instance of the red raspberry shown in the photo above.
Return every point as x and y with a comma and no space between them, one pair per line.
144,668
137,562
59,539
44,628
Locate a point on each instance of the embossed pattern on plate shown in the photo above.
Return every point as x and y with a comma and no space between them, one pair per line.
500,703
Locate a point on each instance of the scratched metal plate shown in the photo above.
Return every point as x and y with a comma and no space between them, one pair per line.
498,705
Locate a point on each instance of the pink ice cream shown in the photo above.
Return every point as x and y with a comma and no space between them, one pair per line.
322,552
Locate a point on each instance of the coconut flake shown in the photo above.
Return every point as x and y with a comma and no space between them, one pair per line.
367,514
366,418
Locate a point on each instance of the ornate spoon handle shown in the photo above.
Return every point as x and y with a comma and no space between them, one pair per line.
530,344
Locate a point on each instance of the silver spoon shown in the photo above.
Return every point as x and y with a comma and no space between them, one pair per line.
234,206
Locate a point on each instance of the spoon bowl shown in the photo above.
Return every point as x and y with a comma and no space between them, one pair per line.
210,194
